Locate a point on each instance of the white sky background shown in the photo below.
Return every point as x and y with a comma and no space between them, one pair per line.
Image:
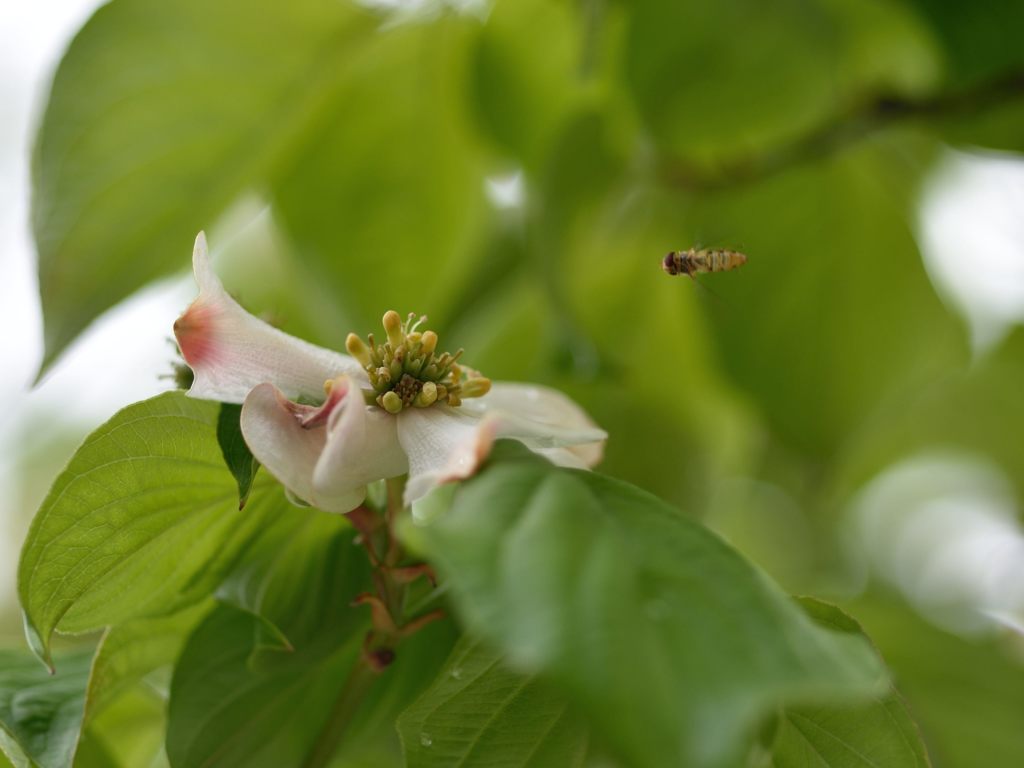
971,231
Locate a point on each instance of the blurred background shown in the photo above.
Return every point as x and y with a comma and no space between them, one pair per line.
845,409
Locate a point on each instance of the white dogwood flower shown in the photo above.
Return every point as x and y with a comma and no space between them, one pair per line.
387,409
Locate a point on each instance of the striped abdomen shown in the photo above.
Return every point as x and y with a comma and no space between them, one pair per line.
701,260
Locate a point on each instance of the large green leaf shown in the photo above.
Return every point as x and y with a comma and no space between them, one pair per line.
282,578
967,694
131,651
880,733
527,73
385,203
143,521
159,116
238,700
40,714
669,641
127,734
807,326
224,712
977,411
479,714
979,39
732,76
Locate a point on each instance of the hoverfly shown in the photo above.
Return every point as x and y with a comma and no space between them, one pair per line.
697,260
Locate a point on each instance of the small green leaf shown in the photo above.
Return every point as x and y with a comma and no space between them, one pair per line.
41,714
142,522
479,714
672,644
237,456
878,733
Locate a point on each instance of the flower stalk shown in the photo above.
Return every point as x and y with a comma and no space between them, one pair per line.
376,531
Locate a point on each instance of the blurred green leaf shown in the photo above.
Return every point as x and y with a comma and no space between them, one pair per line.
237,456
979,39
978,411
40,714
159,116
478,714
809,326
385,203
670,642
881,733
527,73
967,693
127,734
730,77
143,521
887,48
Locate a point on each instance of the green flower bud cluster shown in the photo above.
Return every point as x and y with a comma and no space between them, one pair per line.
407,371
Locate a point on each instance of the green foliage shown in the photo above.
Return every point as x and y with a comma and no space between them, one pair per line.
363,195
236,453
667,639
40,714
131,652
879,733
237,699
478,713
145,142
593,619
143,521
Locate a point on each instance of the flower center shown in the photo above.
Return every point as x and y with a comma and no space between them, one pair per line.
406,371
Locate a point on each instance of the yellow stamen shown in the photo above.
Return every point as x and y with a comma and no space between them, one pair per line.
476,387
391,402
429,342
357,349
393,326
427,396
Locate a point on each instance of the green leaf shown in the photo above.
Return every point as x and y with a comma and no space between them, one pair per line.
237,456
130,652
281,581
669,641
730,76
159,116
480,714
238,700
526,74
224,712
881,733
126,734
977,411
40,714
806,330
979,39
966,693
386,202
143,521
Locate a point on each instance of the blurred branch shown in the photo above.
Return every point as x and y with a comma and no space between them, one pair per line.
873,114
